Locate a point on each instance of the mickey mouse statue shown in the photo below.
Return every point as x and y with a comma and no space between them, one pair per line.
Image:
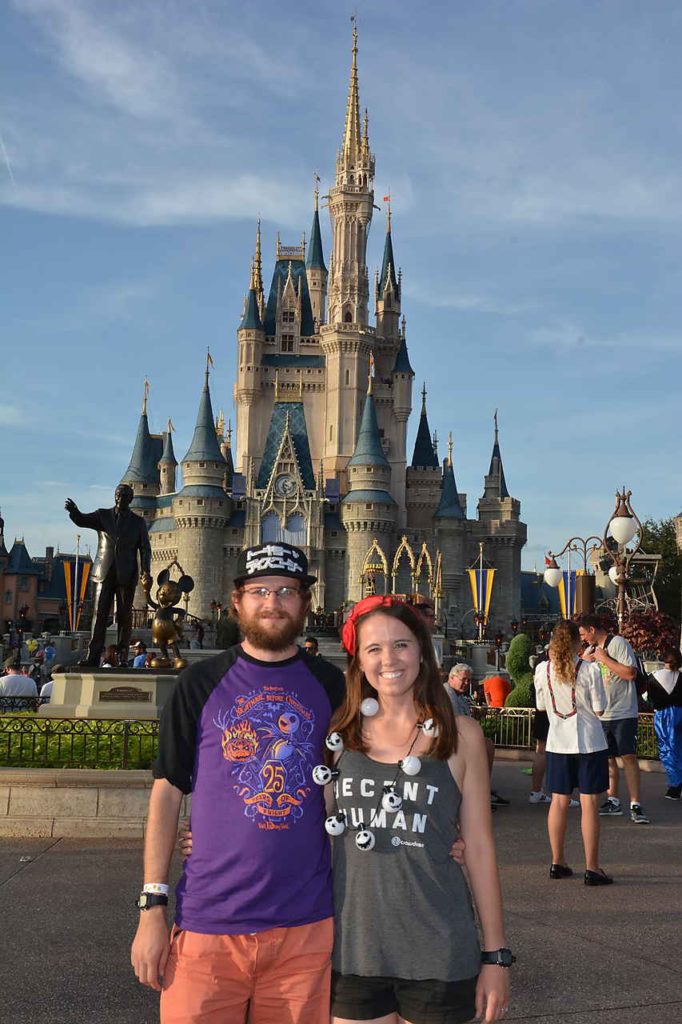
167,623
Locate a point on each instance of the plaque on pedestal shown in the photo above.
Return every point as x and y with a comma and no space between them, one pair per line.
109,693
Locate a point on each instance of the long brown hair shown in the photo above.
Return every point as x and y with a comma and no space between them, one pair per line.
430,698
562,650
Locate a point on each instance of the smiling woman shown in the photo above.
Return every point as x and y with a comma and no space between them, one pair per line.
405,777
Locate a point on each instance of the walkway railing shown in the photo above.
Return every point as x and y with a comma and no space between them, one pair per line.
30,742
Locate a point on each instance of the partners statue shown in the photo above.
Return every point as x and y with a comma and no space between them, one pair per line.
122,536
167,624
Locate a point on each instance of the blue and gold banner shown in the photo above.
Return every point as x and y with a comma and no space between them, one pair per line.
76,575
481,581
567,589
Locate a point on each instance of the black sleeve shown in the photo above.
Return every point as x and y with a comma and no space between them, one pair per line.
178,725
329,676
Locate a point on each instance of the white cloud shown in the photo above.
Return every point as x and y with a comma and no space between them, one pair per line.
11,415
132,78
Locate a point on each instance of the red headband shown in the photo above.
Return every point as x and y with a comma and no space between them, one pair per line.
368,604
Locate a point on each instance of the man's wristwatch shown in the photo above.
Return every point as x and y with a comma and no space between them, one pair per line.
147,900
498,957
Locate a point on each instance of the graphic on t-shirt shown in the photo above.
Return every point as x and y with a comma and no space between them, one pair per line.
266,740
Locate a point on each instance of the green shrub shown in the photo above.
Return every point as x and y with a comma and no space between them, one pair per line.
520,650
520,697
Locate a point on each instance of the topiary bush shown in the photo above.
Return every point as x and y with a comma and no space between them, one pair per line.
520,650
520,696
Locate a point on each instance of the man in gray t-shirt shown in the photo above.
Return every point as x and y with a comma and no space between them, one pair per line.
618,664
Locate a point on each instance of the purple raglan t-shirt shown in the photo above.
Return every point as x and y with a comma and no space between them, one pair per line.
244,736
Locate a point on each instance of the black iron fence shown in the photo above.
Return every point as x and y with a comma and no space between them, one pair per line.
30,742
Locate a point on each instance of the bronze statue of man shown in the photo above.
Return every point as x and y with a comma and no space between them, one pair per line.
121,536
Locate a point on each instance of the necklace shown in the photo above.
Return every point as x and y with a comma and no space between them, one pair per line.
390,800
574,708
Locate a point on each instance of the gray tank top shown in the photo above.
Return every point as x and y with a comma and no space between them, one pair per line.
403,909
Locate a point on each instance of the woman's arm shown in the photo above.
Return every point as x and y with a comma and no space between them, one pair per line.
472,775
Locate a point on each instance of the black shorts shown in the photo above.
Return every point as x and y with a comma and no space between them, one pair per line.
621,736
540,726
421,1002
588,772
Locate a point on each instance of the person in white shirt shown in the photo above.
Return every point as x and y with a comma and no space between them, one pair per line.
572,693
16,685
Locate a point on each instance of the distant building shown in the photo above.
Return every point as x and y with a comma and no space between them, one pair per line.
33,590
323,400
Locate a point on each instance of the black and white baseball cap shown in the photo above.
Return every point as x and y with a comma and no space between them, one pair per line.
273,560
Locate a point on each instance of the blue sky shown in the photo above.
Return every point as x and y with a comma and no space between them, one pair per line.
533,152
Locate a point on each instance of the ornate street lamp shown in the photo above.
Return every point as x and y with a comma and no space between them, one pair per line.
584,593
623,527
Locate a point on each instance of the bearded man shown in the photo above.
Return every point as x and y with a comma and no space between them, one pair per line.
242,733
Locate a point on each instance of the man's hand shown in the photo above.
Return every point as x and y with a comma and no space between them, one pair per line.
146,581
590,654
185,839
600,655
457,851
70,505
150,947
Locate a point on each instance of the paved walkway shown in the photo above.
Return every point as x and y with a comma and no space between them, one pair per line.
586,956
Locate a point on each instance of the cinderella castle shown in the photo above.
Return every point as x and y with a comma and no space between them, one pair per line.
323,398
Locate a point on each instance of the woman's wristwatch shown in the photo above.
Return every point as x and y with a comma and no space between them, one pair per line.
499,957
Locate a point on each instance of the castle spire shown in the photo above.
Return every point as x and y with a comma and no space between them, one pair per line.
495,484
143,461
424,455
258,265
388,275
204,446
449,506
315,260
368,450
350,149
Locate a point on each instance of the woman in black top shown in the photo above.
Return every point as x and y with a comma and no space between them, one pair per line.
664,688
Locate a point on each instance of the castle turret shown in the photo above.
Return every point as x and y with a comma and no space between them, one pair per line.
368,511
202,510
142,473
500,528
250,342
423,477
387,296
167,462
451,531
315,268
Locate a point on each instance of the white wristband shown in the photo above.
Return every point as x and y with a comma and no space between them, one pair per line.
157,888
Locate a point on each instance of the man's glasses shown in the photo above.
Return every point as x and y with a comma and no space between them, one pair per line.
280,593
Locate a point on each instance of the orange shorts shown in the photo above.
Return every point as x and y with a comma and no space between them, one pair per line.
274,976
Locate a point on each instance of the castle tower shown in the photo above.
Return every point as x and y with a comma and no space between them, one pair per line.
142,473
250,342
402,378
346,339
503,534
387,293
202,510
368,511
451,528
423,478
167,463
226,451
315,269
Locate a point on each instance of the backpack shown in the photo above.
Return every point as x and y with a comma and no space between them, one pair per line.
641,680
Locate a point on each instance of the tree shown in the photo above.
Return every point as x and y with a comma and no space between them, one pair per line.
658,538
651,632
